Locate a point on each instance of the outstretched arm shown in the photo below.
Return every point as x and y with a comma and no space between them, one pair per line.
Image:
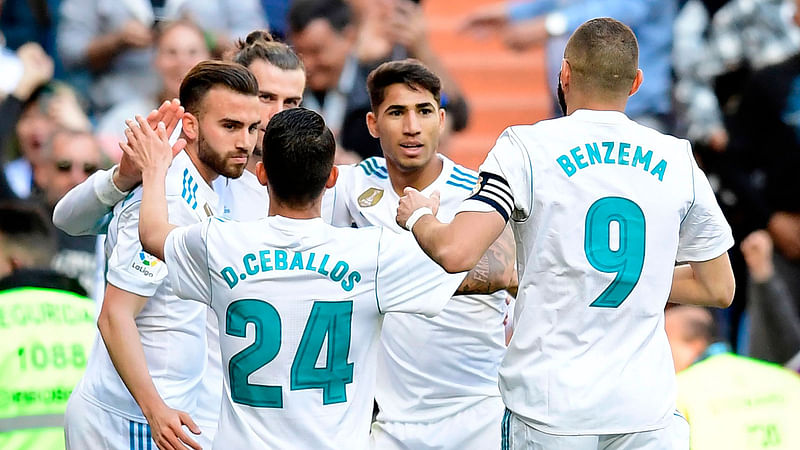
118,328
496,270
456,246
150,152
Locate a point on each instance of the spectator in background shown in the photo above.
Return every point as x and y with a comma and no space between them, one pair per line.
113,39
332,43
51,106
22,74
528,23
744,35
45,336
179,46
730,401
68,159
773,311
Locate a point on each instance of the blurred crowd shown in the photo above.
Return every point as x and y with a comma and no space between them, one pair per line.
723,74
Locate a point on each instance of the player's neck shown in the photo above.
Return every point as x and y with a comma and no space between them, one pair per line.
419,179
279,208
205,170
580,101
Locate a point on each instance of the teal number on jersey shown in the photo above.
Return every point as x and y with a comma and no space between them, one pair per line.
265,347
331,319
627,260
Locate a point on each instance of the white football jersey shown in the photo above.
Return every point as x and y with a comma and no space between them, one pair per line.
428,368
242,198
172,331
299,304
602,208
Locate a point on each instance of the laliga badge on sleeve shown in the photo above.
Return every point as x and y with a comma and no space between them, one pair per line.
370,197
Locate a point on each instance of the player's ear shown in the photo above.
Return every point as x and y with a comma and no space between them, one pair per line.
565,75
372,124
637,81
332,177
190,126
261,173
442,117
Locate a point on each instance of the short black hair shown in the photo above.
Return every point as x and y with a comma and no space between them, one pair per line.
260,44
603,55
209,74
336,12
24,226
298,153
410,72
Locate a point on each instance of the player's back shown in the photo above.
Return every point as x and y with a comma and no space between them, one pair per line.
299,304
600,230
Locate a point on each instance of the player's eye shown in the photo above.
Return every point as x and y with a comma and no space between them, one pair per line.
426,111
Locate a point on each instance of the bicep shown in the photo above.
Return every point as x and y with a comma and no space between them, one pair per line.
121,303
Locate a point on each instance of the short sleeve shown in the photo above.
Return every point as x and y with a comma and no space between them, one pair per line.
186,255
704,232
505,183
130,268
408,280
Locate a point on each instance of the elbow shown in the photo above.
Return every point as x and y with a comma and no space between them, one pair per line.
723,297
454,260
60,220
104,323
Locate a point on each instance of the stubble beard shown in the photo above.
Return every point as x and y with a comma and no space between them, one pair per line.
215,161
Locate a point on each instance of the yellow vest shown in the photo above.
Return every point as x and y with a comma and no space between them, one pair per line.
733,402
45,338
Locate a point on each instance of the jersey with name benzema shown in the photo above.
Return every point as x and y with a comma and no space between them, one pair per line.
299,305
429,368
172,331
602,208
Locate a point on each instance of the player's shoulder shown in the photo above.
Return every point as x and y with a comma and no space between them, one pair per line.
458,178
373,169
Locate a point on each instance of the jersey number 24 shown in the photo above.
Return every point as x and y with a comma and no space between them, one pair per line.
331,319
625,258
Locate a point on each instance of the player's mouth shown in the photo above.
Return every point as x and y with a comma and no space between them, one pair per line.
239,159
412,147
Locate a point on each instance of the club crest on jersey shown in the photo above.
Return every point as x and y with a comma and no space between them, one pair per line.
370,197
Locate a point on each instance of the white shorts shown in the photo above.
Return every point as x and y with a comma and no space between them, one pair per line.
517,435
88,426
475,428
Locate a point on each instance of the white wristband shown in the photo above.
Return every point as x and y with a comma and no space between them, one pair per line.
416,215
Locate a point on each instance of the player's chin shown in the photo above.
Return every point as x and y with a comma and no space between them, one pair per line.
234,170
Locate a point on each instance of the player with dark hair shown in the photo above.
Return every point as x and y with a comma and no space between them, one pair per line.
138,388
289,291
437,377
602,208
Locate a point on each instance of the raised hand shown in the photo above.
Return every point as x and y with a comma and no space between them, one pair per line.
147,148
127,175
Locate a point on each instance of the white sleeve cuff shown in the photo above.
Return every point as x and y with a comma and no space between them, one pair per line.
107,192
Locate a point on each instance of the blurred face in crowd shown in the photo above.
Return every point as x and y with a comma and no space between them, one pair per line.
179,48
72,158
226,129
324,51
34,129
408,124
278,90
686,346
